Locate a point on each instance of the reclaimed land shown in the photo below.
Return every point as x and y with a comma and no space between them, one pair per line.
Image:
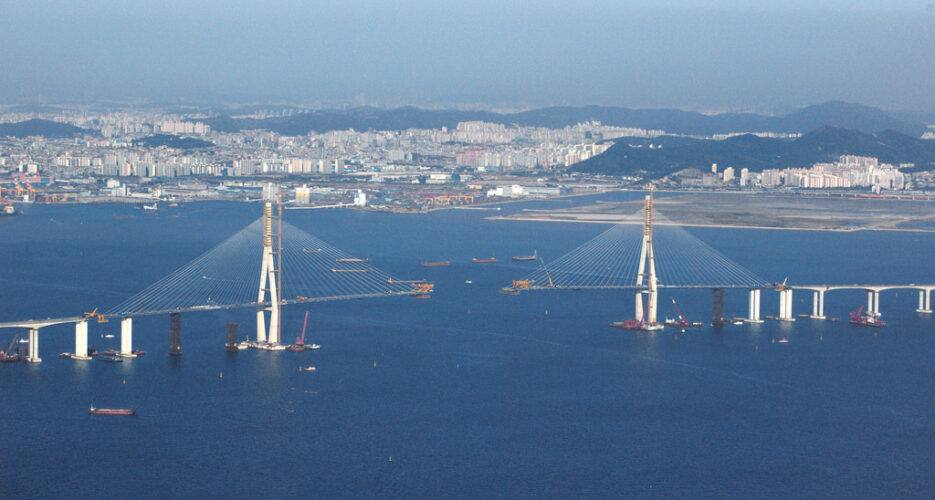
754,211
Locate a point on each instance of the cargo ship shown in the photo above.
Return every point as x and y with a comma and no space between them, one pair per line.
440,263
111,411
522,258
484,261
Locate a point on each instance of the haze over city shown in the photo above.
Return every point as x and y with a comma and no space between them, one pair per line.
706,56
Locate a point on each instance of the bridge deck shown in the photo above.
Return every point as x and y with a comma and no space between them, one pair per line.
42,323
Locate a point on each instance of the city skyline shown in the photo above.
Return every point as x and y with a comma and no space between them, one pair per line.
719,56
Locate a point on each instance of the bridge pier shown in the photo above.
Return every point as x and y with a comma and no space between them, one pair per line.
785,305
126,338
754,306
925,301
81,341
818,304
33,355
873,302
175,334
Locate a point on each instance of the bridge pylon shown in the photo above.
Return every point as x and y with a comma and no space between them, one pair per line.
268,283
647,271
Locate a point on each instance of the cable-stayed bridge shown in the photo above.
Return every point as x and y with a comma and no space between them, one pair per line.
247,270
647,252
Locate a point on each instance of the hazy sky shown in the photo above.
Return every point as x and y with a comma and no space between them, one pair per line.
703,55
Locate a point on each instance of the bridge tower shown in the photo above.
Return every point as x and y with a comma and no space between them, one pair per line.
647,271
268,283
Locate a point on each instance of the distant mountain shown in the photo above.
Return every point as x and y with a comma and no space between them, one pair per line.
669,154
43,128
172,141
852,116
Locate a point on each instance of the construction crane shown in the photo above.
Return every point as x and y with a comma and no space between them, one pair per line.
94,315
522,284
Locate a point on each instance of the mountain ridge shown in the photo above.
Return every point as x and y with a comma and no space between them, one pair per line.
672,121
671,153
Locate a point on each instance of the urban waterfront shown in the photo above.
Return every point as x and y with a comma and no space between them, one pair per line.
469,393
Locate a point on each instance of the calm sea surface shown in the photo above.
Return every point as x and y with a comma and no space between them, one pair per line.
471,393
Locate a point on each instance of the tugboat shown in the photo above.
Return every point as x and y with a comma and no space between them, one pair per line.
866,318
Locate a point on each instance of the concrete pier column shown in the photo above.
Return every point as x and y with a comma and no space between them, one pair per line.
928,303
876,302
638,307
782,304
756,304
870,301
81,340
750,315
924,296
785,305
754,307
818,304
126,338
33,355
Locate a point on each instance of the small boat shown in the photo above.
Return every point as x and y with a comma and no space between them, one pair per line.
313,347
154,206
107,336
526,257
110,358
468,282
138,352
440,263
92,352
110,352
23,341
111,411
8,210
306,368
65,355
243,345
484,261
783,340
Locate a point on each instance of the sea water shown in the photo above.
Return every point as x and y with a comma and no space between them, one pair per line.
470,393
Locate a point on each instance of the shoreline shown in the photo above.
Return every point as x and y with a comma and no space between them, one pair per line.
717,226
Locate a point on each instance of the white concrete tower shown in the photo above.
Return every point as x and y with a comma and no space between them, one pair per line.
648,270
268,283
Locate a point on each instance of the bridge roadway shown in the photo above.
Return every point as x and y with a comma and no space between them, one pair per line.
126,328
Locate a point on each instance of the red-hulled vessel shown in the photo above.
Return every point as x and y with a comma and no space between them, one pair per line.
866,318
